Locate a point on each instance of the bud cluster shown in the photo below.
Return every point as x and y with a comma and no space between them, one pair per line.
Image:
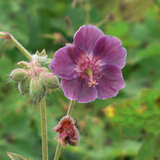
34,79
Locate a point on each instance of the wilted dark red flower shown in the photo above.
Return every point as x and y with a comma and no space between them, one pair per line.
68,133
91,67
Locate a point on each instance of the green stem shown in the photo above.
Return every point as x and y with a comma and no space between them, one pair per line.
69,108
44,129
59,146
8,36
58,151
87,9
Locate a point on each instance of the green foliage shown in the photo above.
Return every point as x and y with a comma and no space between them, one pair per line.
125,127
149,149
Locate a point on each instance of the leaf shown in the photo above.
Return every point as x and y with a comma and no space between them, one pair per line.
149,149
157,2
150,50
118,29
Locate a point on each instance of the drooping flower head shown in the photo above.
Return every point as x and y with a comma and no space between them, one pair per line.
68,133
91,67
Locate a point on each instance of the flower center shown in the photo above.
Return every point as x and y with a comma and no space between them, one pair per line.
89,68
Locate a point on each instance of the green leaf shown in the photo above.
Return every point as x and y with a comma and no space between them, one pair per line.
149,149
157,2
118,29
151,50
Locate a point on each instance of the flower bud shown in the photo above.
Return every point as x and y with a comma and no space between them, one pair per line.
18,74
44,60
36,90
23,64
23,86
49,80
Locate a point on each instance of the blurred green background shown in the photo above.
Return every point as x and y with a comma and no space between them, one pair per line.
126,127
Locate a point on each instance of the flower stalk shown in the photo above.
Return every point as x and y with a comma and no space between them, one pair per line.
5,35
19,76
59,146
44,129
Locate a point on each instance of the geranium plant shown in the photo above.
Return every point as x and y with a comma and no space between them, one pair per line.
90,68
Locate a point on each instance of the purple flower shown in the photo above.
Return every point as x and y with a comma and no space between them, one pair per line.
91,67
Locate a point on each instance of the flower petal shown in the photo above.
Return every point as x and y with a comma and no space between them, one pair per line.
63,63
78,89
110,83
85,38
110,50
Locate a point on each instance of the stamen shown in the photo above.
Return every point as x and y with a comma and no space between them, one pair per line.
91,82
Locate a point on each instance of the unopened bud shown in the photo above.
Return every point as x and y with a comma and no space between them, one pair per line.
23,64
23,86
43,60
49,80
36,90
18,74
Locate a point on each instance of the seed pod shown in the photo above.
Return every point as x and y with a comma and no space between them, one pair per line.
23,64
18,74
49,80
23,86
36,90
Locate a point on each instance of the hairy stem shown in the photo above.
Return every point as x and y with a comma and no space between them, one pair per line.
59,147
5,35
44,129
